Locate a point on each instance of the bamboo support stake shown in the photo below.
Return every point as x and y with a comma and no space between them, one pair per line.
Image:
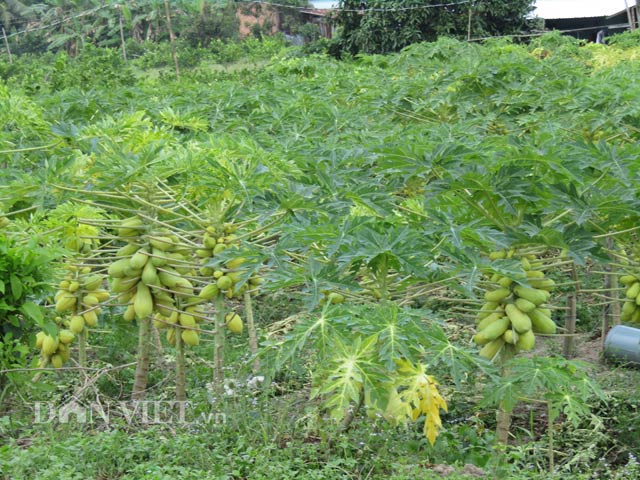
570,326
251,328
124,46
6,44
82,348
614,310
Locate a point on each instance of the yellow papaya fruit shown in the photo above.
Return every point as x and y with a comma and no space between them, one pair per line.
626,280
224,282
541,323
139,259
40,339
66,336
519,320
234,322
489,319
117,268
161,243
143,301
491,349
92,282
496,329
525,305
209,292
497,295
487,309
56,361
526,341
633,291
190,337
535,296
76,324
49,345
149,274
90,318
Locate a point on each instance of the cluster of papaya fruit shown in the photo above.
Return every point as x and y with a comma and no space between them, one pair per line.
631,307
79,297
150,276
228,276
514,310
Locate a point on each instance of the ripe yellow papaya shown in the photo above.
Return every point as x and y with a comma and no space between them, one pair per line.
65,303
497,295
526,341
491,349
224,282
519,320
209,292
541,323
489,319
535,296
40,339
626,280
49,345
633,291
66,336
190,337
234,322
525,305
150,274
90,318
92,282
162,243
187,320
143,302
487,309
56,361
496,329
117,268
76,324
139,259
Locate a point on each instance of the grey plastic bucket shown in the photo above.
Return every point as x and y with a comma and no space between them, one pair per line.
623,344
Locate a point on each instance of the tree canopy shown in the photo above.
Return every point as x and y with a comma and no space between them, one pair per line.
382,26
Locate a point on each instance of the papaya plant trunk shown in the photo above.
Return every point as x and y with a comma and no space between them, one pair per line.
181,387
550,418
503,425
82,348
142,365
251,328
218,352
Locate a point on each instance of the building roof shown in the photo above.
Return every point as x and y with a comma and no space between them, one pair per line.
578,8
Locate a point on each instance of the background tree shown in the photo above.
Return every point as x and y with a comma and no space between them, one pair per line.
382,26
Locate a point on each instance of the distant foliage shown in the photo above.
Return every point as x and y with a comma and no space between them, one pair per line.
383,26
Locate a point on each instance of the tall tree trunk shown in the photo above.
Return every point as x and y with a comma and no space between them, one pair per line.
172,38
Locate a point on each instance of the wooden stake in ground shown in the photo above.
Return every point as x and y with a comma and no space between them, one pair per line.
124,46
218,352
251,328
181,384
82,348
570,326
6,44
172,38
142,365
